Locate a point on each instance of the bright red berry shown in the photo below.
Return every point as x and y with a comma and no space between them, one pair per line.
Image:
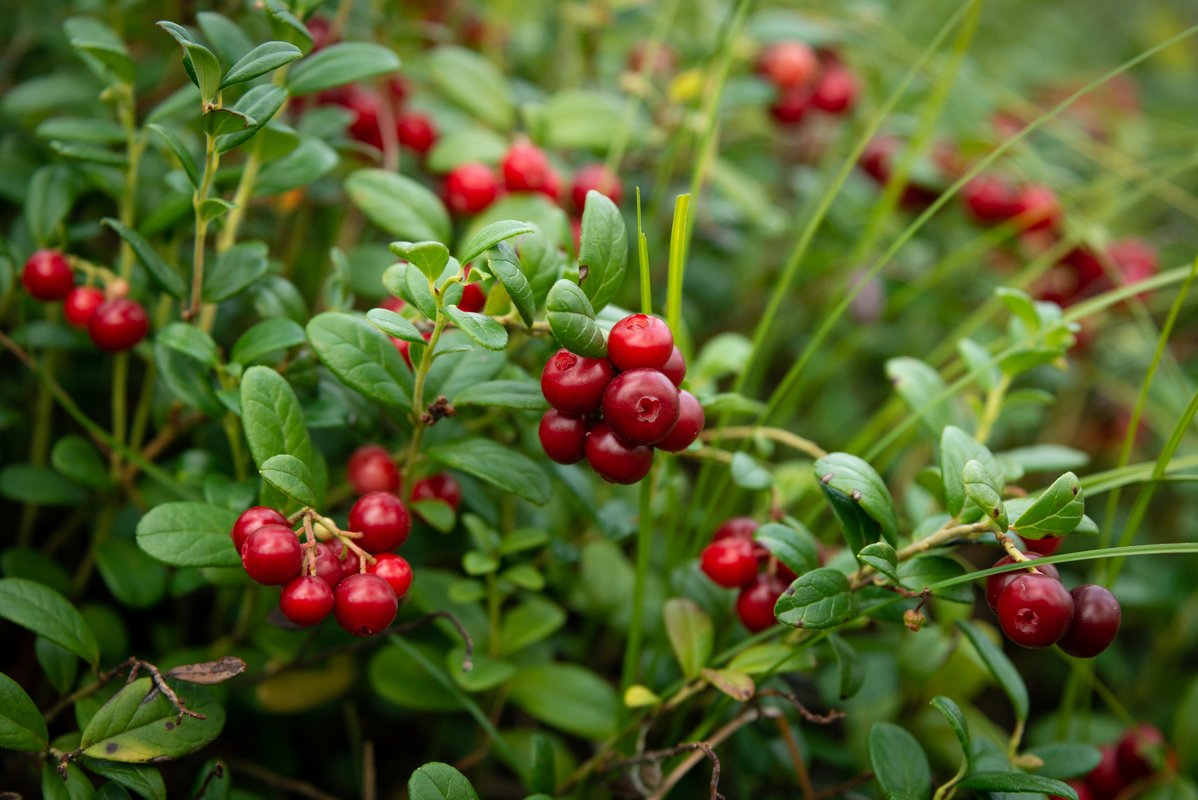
81,303
675,367
395,570
1049,544
474,297
731,563
1106,780
365,604
272,555
1141,752
689,425
351,564
614,460
737,528
791,105
836,90
1035,610
367,108
442,486
306,600
395,304
416,132
573,384
370,469
755,603
328,565
640,340
598,178
470,187
641,406
995,584
1096,616
118,324
47,275
562,437
525,168
1038,207
251,520
788,64
989,198
382,519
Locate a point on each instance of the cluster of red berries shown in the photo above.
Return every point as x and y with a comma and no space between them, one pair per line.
805,79
1139,754
735,561
113,322
613,411
371,469
354,574
1036,610
413,130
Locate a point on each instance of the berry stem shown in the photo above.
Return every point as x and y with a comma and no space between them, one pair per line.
1008,544
309,544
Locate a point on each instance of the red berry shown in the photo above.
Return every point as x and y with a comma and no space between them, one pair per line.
470,187
47,275
989,198
613,460
594,177
382,519
81,303
836,90
365,604
1038,207
525,168
788,64
1106,780
755,603
251,520
638,341
395,570
118,324
306,600
689,425
1035,610
573,384
1096,616
1083,793
395,304
731,563
1049,545
790,106
996,583
272,555
351,564
641,406
399,89
370,469
416,132
442,486
367,107
474,297
876,159
737,528
675,367
562,436
328,565
1141,752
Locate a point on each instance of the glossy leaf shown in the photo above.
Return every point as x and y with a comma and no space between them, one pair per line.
260,104
291,477
483,330
920,385
132,728
470,81
394,325
1056,512
496,464
162,273
1000,667
819,599
189,535
399,205
883,558
234,270
1018,783
21,724
737,685
41,485
796,548
503,394
534,620
771,658
436,781
956,448
361,357
603,251
341,64
134,578
78,459
572,320
505,266
141,779
1066,759
261,60
491,236
47,613
748,473
857,482
956,721
985,490
900,765
76,786
268,336
191,341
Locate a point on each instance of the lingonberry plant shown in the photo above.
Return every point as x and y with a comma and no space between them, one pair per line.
596,400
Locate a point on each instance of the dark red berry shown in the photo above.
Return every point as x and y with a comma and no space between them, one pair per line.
788,64
996,583
1049,544
1038,207
641,406
416,132
675,367
594,177
306,600
351,564
989,198
365,604
614,460
118,324
251,520
836,90
573,384
737,528
272,555
366,107
562,436
80,304
640,341
1141,752
47,275
1106,780
755,603
1035,610
370,469
474,297
525,168
382,519
442,486
1096,616
328,566
731,563
791,105
689,425
470,187
395,570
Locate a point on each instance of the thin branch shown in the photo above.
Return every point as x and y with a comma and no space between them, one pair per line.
804,712
277,781
776,434
732,726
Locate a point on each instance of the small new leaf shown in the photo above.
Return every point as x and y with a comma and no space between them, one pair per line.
1056,512
983,488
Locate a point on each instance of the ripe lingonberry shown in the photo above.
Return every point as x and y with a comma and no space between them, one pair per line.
836,90
366,107
1049,544
689,425
731,563
306,600
573,384
395,304
118,324
80,304
470,187
641,406
755,603
594,177
47,275
1038,207
675,367
1142,752
788,64
614,460
640,340
442,486
474,297
251,520
370,469
989,198
1106,780
737,528
382,519
328,566
1035,610
790,106
416,132
351,563
395,570
1096,616
525,168
364,604
272,555
996,583
562,436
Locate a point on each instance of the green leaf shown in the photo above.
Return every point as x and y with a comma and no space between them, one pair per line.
59,664
1066,759
588,120
47,202
133,728
900,765
408,282
1056,512
163,273
361,357
93,130
857,482
225,36
1000,667
1046,458
470,81
399,205
882,557
234,270
191,341
89,155
44,611
491,236
1018,782
26,562
496,464
507,270
737,685
133,577
984,489
978,359
21,724
262,59
568,697
956,448
436,513
920,385
181,152
189,535
483,330
274,422
543,775
291,477
476,563
207,69
223,121
747,473
691,635
603,251
437,781
534,620
1022,306
428,257
465,145
268,336
819,599
189,380
43,486
770,658
78,459
215,207
956,721
572,320
286,26
796,548
104,51
928,569
310,160
75,787
503,394
849,668
395,325
340,64
260,104
141,779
